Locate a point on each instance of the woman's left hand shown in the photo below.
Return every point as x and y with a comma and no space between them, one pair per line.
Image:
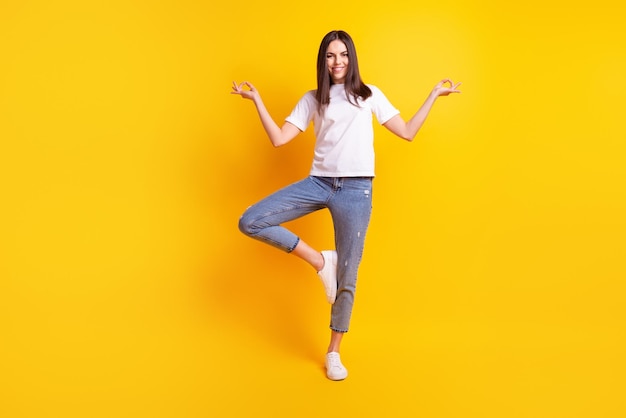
442,90
250,93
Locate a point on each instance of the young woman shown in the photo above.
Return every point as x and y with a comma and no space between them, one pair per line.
341,175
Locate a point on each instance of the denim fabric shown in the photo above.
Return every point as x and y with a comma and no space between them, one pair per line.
349,200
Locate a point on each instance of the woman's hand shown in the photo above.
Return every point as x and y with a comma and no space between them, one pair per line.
249,93
442,90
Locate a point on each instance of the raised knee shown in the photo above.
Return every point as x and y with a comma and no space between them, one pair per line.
246,225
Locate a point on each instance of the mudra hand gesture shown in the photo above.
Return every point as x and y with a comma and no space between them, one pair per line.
249,93
441,89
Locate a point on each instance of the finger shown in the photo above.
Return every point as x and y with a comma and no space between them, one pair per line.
240,87
454,88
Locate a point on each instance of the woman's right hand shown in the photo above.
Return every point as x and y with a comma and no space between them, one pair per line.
246,93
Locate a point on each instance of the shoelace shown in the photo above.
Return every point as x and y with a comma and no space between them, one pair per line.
334,361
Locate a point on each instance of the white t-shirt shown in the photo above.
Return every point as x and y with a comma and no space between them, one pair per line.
344,145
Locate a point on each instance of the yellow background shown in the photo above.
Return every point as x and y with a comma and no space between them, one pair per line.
493,277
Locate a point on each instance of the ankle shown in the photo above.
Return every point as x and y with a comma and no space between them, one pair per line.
319,262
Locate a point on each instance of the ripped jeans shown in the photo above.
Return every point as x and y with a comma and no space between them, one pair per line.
349,200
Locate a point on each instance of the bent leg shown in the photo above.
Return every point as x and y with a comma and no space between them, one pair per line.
263,220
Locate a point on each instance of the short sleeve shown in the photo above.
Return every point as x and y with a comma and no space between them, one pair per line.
381,106
303,112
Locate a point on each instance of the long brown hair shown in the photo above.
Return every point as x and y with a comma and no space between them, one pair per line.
354,86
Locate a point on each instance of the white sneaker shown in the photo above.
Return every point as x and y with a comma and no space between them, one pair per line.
334,368
328,275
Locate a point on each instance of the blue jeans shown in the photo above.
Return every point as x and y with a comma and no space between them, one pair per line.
349,200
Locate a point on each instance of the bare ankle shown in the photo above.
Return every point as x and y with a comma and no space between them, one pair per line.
319,262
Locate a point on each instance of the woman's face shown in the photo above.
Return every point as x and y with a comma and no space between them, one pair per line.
337,61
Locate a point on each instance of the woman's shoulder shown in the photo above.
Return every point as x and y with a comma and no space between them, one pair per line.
373,88
309,94
377,93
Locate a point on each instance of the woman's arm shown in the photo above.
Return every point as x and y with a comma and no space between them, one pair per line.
408,130
278,135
